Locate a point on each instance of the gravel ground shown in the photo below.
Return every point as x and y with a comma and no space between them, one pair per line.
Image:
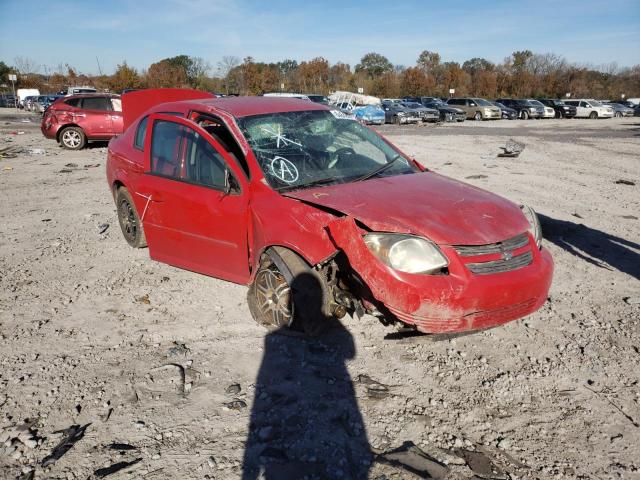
116,366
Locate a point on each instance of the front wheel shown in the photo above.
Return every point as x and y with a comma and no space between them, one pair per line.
73,138
593,115
618,114
290,297
524,115
559,114
477,117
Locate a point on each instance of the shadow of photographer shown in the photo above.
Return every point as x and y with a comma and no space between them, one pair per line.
305,421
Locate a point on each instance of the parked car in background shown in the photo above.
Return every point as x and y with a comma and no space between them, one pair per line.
620,110
561,109
362,228
549,112
8,100
75,120
476,108
524,107
448,113
369,114
27,103
43,102
427,114
397,113
78,90
636,111
589,108
507,113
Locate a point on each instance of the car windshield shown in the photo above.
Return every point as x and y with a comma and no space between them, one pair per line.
412,105
482,102
595,103
535,103
309,148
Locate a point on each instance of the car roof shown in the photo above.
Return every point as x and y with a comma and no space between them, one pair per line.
247,106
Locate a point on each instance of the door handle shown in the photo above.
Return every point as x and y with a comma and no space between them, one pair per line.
79,115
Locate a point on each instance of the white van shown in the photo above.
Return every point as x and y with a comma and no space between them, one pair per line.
590,108
23,93
635,101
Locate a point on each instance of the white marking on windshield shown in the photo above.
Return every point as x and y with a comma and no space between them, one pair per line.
284,169
279,137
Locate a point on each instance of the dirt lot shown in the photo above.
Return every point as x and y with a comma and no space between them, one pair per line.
173,379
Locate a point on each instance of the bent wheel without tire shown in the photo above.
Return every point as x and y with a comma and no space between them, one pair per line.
298,306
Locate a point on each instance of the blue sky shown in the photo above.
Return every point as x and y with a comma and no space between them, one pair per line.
144,31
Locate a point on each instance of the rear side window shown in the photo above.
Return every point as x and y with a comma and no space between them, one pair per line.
141,131
73,102
96,103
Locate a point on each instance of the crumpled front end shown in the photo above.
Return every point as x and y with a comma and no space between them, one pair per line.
484,286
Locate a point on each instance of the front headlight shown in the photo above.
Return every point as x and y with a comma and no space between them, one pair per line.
532,109
534,224
406,253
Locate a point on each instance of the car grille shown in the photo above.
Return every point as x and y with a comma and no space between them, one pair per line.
502,265
507,245
507,263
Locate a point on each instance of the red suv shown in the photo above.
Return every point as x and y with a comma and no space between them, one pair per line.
76,119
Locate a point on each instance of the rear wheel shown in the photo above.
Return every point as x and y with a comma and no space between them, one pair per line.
593,115
299,305
73,138
129,220
524,115
477,117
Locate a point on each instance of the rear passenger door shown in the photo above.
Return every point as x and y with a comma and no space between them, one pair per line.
96,117
196,201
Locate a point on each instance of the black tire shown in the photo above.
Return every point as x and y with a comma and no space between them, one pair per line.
477,117
129,219
593,115
559,114
73,138
300,308
524,115
396,120
617,114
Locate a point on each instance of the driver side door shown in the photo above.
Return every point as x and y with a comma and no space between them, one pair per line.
196,209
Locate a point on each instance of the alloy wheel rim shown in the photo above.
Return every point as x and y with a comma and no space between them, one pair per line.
71,138
128,220
274,297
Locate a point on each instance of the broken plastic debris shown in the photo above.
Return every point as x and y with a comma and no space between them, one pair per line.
116,467
72,435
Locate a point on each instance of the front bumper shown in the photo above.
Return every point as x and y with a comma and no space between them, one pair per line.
431,117
456,302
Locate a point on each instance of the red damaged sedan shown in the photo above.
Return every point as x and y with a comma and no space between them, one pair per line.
319,216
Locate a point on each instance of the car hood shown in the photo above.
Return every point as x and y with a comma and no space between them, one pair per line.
427,204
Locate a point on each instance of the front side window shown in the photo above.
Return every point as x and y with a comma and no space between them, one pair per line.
181,153
308,148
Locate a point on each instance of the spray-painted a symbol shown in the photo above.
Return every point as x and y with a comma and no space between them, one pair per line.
279,137
284,169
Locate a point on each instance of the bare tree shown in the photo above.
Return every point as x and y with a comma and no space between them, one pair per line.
26,65
227,63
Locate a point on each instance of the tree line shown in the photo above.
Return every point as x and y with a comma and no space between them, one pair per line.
522,74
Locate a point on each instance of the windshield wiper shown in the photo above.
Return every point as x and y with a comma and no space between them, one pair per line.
380,169
313,183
